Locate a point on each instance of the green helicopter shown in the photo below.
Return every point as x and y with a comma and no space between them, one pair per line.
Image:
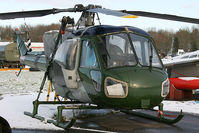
99,67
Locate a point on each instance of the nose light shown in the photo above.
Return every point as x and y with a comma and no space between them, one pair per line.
114,88
165,88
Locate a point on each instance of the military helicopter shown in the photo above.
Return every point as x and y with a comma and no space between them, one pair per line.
99,66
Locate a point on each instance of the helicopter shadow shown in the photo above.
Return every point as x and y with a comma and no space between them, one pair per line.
120,122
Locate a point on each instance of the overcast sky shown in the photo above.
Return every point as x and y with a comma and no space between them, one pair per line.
188,8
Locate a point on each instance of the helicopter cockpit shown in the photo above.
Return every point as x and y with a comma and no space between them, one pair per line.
127,49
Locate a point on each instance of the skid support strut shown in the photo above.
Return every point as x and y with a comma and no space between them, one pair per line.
59,121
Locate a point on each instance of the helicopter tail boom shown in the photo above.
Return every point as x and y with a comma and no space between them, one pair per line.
34,60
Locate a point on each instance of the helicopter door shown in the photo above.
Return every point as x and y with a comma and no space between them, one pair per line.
67,57
89,67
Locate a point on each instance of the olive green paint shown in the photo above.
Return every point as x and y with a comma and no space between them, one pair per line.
144,84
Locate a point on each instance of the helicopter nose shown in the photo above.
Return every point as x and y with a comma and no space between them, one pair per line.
138,88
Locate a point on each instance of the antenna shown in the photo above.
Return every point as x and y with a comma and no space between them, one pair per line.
27,35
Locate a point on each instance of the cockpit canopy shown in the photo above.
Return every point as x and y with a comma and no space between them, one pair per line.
117,47
126,47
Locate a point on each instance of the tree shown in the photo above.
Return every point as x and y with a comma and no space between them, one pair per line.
175,45
162,39
6,33
193,46
184,37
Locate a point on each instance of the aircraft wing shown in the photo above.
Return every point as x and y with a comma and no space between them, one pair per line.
184,65
176,62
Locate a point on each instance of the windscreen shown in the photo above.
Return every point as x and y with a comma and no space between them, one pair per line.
116,50
145,50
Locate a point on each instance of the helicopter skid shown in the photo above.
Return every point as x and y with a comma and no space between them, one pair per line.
59,122
160,118
64,125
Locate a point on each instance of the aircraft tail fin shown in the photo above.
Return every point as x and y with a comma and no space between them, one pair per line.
20,43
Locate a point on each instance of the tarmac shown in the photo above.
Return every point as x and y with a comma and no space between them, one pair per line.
123,123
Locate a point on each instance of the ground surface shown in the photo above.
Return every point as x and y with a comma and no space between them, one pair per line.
126,124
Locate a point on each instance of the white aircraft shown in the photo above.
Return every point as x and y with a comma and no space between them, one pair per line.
183,70
186,65
182,59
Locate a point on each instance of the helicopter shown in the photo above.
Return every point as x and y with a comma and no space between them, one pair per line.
99,66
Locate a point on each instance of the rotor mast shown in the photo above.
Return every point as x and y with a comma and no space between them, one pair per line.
87,18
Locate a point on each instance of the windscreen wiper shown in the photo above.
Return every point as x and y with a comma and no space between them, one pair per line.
151,56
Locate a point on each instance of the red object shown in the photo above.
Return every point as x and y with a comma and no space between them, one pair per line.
63,32
176,94
185,83
181,88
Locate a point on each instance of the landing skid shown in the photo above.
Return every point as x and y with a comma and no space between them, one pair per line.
59,122
160,118
78,105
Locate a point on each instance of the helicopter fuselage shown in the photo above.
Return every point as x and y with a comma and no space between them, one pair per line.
113,67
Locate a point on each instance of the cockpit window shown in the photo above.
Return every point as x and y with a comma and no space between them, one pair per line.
116,50
193,56
184,57
145,50
88,58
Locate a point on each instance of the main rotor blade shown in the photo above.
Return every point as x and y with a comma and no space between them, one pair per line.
163,16
112,12
35,13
